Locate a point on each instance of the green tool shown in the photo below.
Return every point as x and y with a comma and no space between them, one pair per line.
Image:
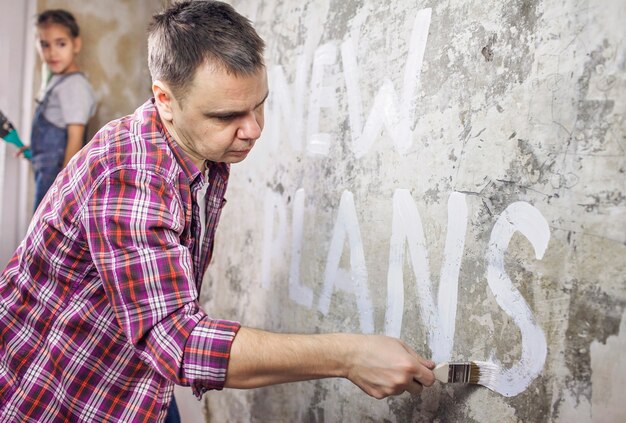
9,134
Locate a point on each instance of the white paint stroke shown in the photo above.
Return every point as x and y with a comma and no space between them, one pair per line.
273,244
407,228
442,340
353,281
299,293
314,22
322,96
386,110
282,107
523,217
359,20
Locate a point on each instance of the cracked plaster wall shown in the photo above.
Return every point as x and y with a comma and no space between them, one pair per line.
515,101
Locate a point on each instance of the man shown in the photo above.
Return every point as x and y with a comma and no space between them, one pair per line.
99,312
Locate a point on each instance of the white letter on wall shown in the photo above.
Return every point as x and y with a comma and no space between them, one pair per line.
282,105
386,109
440,321
443,339
522,217
299,293
322,96
353,281
272,246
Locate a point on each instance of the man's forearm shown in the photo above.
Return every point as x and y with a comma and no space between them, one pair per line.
379,365
260,358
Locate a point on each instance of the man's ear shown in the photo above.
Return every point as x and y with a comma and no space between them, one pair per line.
163,99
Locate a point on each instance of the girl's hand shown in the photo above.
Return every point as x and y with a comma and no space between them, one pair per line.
21,151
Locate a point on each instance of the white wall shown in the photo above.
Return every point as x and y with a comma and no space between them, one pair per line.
16,75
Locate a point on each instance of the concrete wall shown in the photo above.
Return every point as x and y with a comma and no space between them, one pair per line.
452,173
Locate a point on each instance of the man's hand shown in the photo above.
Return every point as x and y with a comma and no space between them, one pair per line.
384,366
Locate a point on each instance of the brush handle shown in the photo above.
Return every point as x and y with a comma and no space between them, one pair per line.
457,372
441,372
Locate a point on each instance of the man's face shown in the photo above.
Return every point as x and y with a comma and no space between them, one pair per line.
220,117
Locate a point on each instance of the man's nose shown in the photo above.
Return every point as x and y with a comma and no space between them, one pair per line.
250,128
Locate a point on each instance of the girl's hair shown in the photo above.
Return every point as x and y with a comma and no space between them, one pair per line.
60,17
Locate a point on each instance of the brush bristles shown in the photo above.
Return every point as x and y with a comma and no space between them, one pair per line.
488,374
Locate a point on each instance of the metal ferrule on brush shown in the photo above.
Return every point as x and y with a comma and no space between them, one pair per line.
463,372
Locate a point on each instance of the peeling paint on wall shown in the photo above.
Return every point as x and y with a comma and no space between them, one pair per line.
452,173
609,372
407,147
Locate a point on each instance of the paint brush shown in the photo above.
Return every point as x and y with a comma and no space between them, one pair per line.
474,372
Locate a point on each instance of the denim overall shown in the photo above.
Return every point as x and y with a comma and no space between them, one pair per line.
47,144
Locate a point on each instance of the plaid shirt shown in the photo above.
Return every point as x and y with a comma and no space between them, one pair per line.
99,312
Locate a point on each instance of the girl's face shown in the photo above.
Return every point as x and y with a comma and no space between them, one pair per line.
58,48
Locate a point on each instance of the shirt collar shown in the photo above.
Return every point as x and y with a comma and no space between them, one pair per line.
190,169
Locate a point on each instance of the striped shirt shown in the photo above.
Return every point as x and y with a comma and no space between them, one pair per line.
99,312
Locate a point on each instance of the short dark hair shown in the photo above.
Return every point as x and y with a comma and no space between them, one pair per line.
190,33
61,17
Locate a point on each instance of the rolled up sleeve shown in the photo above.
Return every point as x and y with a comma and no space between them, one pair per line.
135,223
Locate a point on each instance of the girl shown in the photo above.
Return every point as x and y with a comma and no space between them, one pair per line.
66,103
